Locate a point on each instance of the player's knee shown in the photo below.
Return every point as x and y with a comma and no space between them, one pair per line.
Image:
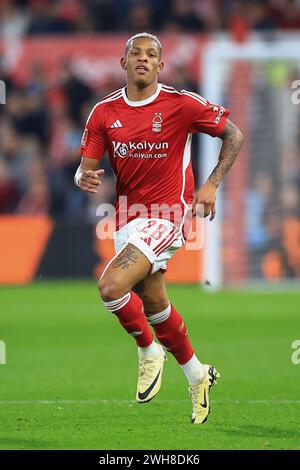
155,303
111,289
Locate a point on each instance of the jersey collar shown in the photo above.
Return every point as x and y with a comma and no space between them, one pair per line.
143,102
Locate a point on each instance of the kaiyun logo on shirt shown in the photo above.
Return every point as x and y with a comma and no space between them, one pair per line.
121,149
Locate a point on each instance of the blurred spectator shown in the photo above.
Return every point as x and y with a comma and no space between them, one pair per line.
210,13
28,113
14,20
37,82
65,138
182,79
258,199
13,154
139,17
258,14
279,259
8,190
290,199
36,198
183,17
77,92
285,13
45,18
104,15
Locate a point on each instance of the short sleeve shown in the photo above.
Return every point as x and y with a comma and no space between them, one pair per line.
93,142
202,116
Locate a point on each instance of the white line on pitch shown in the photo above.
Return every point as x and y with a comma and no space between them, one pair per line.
129,402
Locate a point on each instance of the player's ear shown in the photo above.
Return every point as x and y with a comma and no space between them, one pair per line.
123,63
161,67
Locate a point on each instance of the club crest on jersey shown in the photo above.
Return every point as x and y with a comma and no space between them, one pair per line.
157,122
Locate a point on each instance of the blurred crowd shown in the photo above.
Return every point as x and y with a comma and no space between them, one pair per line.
273,227
273,199
20,18
40,134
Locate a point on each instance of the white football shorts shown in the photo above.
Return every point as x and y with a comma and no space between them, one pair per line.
158,240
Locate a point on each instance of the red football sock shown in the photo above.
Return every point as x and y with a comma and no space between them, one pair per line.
130,312
171,331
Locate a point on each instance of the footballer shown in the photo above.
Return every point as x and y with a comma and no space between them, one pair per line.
146,128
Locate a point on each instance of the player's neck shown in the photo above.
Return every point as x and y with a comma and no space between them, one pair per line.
139,94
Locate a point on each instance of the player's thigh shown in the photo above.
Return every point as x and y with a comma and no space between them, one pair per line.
123,272
152,291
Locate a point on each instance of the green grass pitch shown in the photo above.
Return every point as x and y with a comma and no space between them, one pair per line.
70,377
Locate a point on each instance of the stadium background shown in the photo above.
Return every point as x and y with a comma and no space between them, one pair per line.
57,59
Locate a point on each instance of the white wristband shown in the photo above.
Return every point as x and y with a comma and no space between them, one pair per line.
77,177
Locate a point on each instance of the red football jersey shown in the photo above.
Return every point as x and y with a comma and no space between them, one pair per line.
149,148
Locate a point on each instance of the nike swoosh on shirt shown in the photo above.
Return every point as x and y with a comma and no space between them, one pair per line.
144,395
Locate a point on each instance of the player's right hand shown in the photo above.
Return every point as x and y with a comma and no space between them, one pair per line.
205,201
90,180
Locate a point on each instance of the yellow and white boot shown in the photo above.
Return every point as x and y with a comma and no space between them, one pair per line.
150,375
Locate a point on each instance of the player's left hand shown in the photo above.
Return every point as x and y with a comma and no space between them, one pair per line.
206,198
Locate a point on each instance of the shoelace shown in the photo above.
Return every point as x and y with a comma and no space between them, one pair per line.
145,371
194,391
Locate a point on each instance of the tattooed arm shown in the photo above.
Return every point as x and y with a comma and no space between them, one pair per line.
206,195
232,142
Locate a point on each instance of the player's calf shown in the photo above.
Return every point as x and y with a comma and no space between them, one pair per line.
115,286
171,331
130,313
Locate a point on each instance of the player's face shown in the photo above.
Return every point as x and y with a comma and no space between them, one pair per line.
143,62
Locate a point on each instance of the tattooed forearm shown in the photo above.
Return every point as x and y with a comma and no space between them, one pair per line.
232,142
127,257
